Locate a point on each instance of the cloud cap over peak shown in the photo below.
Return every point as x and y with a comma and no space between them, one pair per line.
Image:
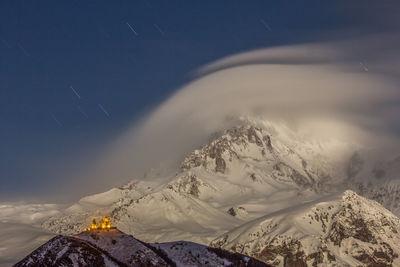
323,83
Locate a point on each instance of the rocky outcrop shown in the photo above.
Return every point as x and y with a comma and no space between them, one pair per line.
188,184
283,171
239,212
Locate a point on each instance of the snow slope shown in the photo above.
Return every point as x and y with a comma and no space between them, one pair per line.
336,231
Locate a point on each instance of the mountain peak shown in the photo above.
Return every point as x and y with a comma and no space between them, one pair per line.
230,145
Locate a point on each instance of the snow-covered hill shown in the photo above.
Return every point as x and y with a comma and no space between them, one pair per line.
115,248
336,231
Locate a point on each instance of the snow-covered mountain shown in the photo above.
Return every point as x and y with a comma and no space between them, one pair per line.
250,169
337,231
114,248
259,173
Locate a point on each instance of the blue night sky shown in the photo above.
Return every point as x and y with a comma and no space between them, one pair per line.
119,72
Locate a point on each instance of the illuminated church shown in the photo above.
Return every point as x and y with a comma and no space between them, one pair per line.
103,225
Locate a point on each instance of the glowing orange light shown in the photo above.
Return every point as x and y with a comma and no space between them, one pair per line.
104,224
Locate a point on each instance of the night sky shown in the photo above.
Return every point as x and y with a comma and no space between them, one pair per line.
73,74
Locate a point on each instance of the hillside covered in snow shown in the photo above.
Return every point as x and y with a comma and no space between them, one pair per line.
343,230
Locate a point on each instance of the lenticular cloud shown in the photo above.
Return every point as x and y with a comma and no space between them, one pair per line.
316,84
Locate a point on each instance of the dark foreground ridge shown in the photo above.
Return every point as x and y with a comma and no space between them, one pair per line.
115,248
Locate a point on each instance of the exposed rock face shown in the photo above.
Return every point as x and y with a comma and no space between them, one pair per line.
350,230
282,171
232,212
253,136
267,140
291,252
239,212
220,165
188,184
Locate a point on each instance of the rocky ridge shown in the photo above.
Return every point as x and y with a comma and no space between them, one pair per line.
348,230
114,248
